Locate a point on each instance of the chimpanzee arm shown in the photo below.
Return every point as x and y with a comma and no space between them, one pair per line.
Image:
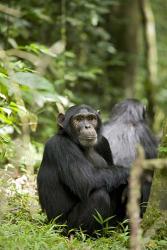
77,173
103,148
148,141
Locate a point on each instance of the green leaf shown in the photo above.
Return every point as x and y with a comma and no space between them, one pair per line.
32,80
6,110
4,139
163,149
3,75
98,218
42,98
2,96
4,119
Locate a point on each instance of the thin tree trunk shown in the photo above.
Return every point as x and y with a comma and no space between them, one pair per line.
133,202
149,34
157,210
124,29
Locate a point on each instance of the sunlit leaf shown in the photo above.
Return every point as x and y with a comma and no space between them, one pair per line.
2,96
4,119
6,110
32,80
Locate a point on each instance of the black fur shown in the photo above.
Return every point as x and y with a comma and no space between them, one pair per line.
127,128
74,184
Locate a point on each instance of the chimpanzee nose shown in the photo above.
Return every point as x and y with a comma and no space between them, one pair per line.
87,126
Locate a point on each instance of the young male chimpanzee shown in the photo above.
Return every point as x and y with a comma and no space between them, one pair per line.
127,128
76,177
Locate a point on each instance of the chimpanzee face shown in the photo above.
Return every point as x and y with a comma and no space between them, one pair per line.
84,125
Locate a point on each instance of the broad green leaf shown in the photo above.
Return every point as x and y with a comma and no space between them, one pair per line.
42,98
33,81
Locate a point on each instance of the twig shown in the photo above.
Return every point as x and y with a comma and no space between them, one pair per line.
133,203
156,163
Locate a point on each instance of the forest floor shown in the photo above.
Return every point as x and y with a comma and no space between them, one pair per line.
24,227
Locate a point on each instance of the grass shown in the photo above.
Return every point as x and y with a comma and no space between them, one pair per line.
26,234
24,227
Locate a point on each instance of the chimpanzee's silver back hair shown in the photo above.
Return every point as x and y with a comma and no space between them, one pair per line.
127,128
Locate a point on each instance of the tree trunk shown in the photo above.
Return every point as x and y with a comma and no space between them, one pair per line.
155,219
124,30
150,48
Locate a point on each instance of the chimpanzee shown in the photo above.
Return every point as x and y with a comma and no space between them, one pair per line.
128,127
77,175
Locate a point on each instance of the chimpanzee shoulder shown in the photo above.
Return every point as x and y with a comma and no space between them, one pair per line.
59,145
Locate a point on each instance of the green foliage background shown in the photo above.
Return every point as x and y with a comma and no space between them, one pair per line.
54,54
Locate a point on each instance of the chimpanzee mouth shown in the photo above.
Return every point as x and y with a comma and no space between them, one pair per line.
88,140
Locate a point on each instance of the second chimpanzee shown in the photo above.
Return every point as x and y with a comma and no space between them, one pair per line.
127,128
76,177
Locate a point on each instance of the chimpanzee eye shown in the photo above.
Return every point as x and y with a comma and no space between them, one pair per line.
91,117
79,118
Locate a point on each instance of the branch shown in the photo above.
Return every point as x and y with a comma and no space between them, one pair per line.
9,11
156,163
24,55
133,203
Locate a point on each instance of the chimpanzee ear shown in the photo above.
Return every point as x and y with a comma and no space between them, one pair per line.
60,119
98,111
144,112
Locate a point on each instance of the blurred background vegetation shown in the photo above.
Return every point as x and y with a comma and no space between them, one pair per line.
57,53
